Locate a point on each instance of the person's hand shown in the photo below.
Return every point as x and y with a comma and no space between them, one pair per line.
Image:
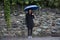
32,14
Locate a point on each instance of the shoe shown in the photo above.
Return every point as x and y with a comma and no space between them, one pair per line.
29,36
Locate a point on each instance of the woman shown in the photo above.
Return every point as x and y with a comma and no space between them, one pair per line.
29,22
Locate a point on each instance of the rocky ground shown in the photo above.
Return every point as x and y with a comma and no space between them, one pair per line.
43,22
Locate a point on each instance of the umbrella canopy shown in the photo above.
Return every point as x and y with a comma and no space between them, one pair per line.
32,7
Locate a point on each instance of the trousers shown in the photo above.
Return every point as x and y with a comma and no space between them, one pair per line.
30,31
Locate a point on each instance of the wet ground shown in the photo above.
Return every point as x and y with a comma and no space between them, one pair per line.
35,38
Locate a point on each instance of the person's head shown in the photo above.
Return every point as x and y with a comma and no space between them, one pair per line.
30,11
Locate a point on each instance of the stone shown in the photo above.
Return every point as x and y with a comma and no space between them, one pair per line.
38,30
35,33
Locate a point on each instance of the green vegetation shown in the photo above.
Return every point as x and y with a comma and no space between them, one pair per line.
7,12
42,3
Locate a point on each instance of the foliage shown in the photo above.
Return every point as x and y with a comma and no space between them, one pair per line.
7,12
14,2
42,3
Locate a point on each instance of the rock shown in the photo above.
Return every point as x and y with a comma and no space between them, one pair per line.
18,33
35,33
4,29
38,30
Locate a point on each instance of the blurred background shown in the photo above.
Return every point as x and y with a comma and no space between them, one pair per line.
12,18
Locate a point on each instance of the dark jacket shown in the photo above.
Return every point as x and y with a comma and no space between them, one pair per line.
29,20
